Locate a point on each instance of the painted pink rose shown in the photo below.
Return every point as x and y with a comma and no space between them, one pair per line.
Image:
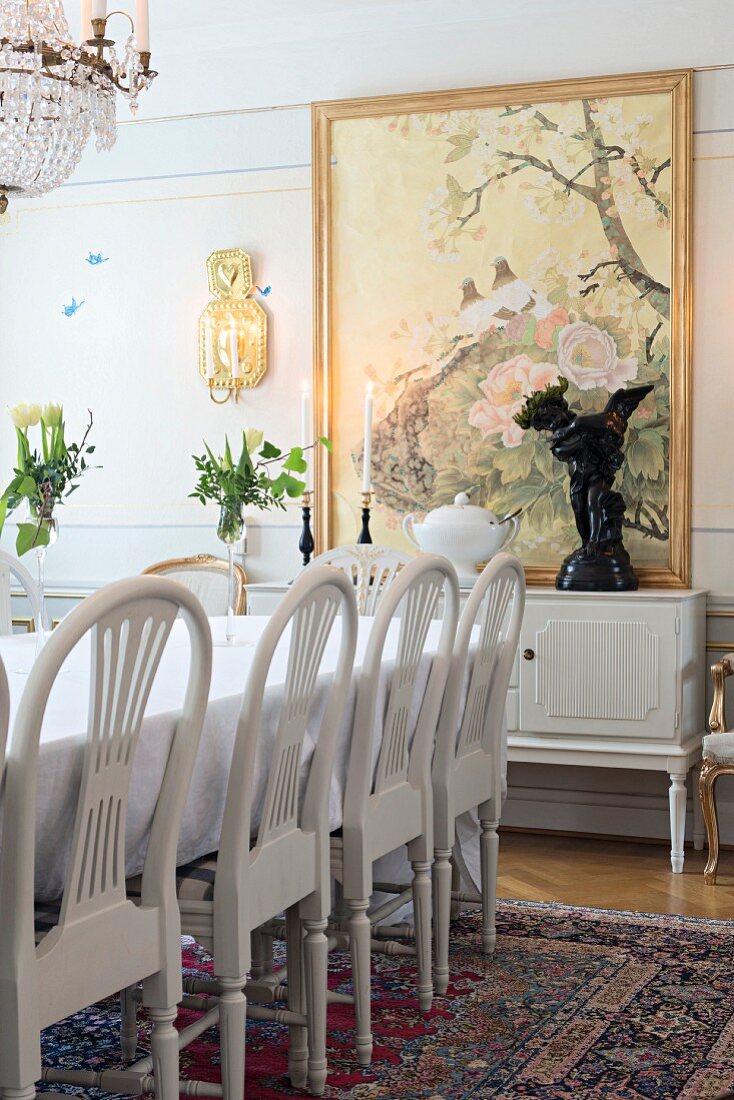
587,356
505,389
546,327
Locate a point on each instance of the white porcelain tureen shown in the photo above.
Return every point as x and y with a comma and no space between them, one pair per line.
463,533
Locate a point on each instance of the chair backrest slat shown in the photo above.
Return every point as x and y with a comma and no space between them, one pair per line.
372,569
412,601
128,624
309,612
472,713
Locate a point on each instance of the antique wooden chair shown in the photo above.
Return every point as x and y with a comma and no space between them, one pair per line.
206,577
718,759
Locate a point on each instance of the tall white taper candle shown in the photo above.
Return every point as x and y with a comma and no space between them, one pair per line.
306,431
86,24
367,467
142,25
99,9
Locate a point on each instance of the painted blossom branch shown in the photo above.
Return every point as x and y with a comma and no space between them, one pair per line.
640,279
657,525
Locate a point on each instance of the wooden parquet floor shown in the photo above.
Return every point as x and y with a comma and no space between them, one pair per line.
610,874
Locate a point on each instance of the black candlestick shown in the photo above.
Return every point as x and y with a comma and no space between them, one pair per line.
364,534
306,544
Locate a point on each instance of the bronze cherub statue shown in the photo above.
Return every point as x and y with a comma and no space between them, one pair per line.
591,446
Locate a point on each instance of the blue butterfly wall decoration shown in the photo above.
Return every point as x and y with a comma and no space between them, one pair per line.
69,311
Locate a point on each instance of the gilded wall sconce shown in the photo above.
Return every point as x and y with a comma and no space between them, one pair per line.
233,329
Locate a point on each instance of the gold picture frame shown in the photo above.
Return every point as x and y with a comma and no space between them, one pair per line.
677,85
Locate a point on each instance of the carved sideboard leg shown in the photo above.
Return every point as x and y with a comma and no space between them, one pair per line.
677,797
719,673
710,771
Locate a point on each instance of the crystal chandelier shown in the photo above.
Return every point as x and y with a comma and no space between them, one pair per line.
53,93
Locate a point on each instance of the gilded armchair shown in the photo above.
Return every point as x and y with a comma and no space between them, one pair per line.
718,759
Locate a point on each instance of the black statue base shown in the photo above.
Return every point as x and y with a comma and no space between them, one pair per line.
609,570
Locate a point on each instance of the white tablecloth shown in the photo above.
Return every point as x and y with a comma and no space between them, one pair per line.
64,732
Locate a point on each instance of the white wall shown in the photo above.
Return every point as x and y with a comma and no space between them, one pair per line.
173,190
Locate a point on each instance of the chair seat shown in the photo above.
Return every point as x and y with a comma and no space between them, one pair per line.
719,746
194,881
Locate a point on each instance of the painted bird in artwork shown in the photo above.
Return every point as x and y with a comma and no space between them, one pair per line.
69,311
514,296
94,259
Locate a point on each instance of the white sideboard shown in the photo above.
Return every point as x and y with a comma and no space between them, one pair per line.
606,680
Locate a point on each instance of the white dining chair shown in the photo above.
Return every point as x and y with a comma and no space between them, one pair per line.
101,941
467,765
11,569
227,897
370,568
388,799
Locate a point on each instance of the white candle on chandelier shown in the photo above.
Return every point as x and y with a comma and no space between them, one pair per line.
99,9
234,352
142,25
367,467
306,430
86,27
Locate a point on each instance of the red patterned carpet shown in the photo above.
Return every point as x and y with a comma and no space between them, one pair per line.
576,1003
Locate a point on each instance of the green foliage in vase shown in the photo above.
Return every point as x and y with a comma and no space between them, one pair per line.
43,478
263,476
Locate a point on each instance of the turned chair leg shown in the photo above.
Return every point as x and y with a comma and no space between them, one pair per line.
315,951
232,1020
297,1036
422,918
128,1024
360,935
164,1051
488,853
710,772
442,876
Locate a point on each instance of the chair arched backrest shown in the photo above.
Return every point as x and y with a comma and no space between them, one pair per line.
11,568
472,714
320,599
207,577
409,605
127,624
371,569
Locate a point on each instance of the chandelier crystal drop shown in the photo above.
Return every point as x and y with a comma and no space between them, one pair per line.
54,93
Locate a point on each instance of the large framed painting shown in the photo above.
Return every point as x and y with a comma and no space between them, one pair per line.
473,246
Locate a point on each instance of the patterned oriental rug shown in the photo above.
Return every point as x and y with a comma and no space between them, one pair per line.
576,1003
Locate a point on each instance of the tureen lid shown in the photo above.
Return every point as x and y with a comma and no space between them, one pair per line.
461,512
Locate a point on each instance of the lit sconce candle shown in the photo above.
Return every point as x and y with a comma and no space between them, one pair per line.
367,467
234,352
142,26
86,27
99,9
306,428
209,348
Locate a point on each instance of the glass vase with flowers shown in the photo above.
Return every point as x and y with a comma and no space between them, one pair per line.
42,479
262,476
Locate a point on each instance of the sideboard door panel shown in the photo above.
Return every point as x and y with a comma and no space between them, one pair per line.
604,671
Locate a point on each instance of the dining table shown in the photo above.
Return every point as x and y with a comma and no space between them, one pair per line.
64,733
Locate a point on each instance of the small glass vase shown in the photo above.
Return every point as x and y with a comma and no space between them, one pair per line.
231,531
43,516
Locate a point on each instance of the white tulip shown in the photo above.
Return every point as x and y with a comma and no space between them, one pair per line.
52,414
34,415
253,439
